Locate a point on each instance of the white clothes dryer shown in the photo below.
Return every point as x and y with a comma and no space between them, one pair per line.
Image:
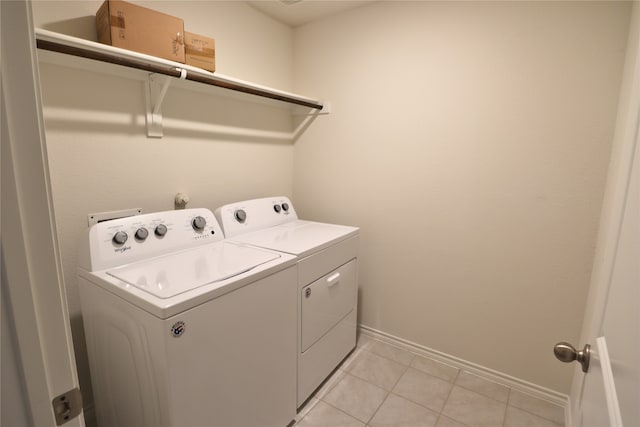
327,279
185,329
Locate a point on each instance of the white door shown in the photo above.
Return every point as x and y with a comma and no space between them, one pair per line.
609,393
30,254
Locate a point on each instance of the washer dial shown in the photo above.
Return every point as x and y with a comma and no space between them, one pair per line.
120,238
160,230
198,223
142,233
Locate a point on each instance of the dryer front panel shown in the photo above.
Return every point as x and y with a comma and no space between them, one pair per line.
327,301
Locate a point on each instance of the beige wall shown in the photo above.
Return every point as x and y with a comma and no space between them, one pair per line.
101,160
470,141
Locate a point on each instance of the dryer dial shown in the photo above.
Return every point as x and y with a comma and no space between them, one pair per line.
240,215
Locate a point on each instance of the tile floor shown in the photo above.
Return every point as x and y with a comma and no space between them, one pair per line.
380,385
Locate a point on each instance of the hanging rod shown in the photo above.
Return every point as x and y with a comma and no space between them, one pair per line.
101,53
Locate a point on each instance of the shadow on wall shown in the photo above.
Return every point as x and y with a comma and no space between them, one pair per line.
80,102
83,27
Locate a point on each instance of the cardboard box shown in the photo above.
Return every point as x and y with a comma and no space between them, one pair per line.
200,51
143,30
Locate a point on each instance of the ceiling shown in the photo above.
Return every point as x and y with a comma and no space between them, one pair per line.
295,13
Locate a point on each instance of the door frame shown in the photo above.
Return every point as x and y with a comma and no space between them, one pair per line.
620,165
30,253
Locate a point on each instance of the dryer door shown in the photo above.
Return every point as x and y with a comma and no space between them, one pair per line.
327,301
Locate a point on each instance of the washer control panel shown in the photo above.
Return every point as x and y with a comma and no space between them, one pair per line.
125,240
250,215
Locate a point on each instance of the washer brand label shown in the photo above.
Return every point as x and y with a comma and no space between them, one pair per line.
178,329
122,249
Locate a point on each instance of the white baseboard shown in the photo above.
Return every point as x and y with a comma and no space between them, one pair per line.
518,384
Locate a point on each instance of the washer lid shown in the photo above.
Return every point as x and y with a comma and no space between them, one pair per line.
173,274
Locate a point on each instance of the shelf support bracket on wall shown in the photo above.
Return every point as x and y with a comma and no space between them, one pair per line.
326,108
155,91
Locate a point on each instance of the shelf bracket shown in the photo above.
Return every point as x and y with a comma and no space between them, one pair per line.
326,108
155,91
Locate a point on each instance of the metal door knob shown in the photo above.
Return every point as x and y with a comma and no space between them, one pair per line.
567,353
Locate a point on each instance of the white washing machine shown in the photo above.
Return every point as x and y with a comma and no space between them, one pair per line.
327,279
185,329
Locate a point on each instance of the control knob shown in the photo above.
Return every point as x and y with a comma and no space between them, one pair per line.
120,237
240,215
198,223
160,230
141,233
277,208
285,207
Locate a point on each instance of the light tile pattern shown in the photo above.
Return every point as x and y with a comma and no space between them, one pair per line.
324,415
356,397
474,409
390,352
421,388
435,368
396,411
536,406
485,387
380,385
518,418
377,370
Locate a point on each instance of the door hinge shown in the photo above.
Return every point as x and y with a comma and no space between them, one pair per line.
67,406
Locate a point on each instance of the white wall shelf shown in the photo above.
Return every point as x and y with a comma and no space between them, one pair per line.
160,73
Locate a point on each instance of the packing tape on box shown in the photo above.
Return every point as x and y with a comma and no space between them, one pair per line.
117,20
192,50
